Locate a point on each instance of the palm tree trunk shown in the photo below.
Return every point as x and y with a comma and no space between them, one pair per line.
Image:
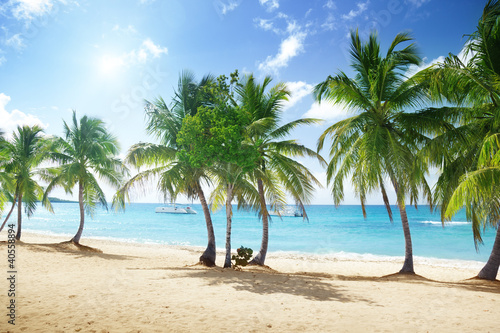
76,238
260,258
8,215
229,215
490,270
408,264
208,257
19,215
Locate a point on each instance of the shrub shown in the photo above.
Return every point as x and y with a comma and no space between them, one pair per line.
243,257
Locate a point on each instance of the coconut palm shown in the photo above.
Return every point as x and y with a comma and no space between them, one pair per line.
465,151
175,177
6,181
86,151
3,176
479,193
232,182
215,139
379,144
276,171
25,152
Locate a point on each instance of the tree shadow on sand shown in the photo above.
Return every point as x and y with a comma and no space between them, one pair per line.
266,281
472,284
69,247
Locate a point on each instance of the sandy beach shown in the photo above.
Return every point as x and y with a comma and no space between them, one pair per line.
153,288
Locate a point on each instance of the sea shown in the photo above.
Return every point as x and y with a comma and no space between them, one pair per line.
339,232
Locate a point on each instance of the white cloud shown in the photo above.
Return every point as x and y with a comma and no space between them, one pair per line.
147,51
264,24
2,60
362,6
230,6
10,120
270,4
150,48
465,55
16,41
130,29
298,90
330,5
29,9
290,47
413,69
329,24
327,111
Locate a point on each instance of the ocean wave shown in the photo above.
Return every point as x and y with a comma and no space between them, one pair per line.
140,241
445,223
368,257
47,233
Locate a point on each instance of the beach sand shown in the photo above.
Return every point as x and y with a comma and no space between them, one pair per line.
155,288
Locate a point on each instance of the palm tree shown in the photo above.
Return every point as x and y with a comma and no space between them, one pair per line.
175,176
26,151
479,193
6,181
275,166
87,150
215,139
465,151
379,143
232,182
3,177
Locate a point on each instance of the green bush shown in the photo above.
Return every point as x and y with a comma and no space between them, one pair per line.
243,257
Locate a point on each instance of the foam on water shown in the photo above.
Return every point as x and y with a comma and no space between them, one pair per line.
448,223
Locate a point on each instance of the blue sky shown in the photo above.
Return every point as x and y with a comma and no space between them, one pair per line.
103,58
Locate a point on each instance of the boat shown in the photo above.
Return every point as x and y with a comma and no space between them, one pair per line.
288,211
173,209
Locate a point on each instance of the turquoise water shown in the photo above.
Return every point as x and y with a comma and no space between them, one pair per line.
329,230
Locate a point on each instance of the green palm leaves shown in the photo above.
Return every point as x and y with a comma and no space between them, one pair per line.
161,160
276,171
87,152
379,144
23,154
468,149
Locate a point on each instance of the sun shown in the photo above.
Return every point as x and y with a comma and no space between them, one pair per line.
110,64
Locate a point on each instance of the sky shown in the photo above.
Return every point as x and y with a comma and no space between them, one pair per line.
104,58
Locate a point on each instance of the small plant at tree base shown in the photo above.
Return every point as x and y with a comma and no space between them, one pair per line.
243,257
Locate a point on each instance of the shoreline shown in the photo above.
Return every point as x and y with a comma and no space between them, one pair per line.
290,262
337,256
132,287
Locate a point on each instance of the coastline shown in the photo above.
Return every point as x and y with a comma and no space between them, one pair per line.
320,258
157,288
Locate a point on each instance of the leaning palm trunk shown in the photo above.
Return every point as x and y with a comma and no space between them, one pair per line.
260,258
208,257
490,270
229,215
76,238
408,264
19,215
8,215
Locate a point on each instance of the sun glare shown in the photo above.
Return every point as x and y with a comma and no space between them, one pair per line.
110,64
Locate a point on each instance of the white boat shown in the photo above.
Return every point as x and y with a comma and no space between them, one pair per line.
288,211
175,210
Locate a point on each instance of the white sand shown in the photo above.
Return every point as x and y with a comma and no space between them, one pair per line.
153,288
